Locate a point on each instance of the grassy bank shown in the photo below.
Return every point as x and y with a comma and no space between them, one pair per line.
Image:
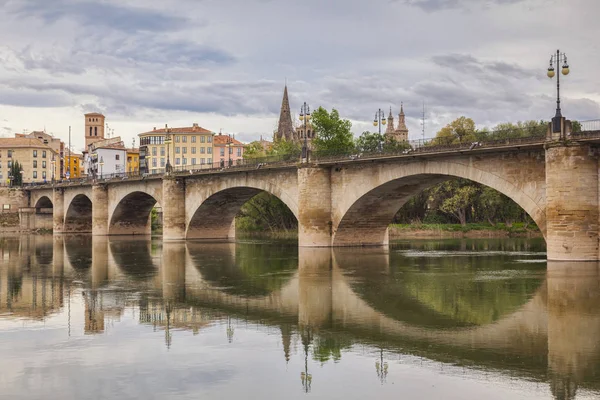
474,230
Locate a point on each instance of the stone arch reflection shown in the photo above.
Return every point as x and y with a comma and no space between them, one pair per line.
79,251
135,257
244,269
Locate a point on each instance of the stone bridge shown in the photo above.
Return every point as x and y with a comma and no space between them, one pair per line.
346,202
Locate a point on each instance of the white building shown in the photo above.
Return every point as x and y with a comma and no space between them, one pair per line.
106,161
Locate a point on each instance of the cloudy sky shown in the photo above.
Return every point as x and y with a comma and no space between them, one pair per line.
223,63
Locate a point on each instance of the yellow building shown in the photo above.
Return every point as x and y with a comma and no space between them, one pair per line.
188,147
39,162
133,160
74,163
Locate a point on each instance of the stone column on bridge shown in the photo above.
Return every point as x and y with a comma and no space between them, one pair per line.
571,202
99,210
314,207
173,208
58,210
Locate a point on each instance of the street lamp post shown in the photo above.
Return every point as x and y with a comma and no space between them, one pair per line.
378,121
305,116
168,142
557,59
101,166
228,146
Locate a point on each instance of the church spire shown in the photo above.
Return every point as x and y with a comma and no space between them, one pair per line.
285,128
401,119
390,123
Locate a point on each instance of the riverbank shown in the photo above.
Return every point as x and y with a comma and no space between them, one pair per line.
472,231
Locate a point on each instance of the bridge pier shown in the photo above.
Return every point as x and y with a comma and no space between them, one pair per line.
173,209
100,210
572,203
58,210
314,207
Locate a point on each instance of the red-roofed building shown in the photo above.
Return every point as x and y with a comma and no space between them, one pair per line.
228,150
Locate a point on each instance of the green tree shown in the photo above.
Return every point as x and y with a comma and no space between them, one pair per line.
332,134
265,212
284,148
15,172
461,130
369,142
254,150
576,125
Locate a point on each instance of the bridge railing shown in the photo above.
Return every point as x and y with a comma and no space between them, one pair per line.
590,125
422,146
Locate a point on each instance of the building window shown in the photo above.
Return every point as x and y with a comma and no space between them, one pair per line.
239,151
154,151
209,150
193,161
154,162
34,174
193,139
184,161
201,150
162,162
34,163
222,151
90,131
177,150
35,153
209,160
44,154
177,161
117,157
184,150
177,139
44,174
202,139
184,139
209,140
202,161
193,150
162,152
95,131
230,150
9,154
43,164
10,164
128,159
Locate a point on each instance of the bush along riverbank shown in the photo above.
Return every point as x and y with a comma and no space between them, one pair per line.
470,230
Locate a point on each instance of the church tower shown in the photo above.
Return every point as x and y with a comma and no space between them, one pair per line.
285,128
390,124
94,128
401,131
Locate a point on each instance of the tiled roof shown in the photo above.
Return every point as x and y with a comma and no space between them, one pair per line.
133,150
224,139
190,129
94,114
22,142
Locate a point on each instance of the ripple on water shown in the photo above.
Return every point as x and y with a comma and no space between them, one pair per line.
441,253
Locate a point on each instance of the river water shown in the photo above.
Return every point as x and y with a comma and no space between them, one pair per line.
98,318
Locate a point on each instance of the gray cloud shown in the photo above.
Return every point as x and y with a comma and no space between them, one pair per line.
100,15
437,5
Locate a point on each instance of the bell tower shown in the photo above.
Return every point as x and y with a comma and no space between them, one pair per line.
94,128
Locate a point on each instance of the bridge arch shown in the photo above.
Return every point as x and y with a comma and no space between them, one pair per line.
44,202
79,215
211,210
365,212
131,215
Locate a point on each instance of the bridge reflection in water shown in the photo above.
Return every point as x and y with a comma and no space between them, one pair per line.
538,323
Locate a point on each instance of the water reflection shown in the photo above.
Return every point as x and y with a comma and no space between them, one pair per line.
502,313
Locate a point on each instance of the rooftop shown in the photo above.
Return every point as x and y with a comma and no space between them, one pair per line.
18,142
224,139
190,129
94,114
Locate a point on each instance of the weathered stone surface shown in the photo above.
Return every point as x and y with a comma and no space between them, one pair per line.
314,207
572,203
174,209
58,218
100,210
